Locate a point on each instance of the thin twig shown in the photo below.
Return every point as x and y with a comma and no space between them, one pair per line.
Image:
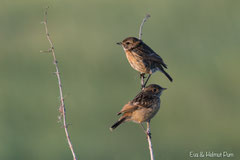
149,141
143,85
141,26
62,108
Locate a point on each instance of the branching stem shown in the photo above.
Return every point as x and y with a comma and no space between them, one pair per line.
62,108
143,85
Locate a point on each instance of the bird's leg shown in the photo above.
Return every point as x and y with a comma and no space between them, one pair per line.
142,79
147,80
145,131
148,130
143,128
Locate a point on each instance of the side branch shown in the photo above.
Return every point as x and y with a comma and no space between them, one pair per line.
141,26
62,108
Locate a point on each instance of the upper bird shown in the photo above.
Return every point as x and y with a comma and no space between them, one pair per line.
142,58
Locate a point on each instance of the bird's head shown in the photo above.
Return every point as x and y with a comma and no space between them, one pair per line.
130,43
154,89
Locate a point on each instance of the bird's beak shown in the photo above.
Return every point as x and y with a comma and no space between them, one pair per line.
164,89
119,43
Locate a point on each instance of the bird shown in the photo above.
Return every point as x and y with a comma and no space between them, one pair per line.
142,108
143,59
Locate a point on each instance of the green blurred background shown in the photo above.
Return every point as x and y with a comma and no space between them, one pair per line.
198,39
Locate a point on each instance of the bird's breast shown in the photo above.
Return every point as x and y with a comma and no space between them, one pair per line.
145,114
137,62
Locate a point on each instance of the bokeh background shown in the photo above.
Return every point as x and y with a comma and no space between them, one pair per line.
199,40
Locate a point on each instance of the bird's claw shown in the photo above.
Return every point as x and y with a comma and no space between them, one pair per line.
149,134
142,75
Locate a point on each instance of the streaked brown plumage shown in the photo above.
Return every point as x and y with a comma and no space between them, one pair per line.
142,58
143,107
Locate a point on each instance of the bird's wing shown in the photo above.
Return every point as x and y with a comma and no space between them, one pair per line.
143,99
128,108
147,53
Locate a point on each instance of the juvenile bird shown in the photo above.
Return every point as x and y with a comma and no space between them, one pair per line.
142,108
143,59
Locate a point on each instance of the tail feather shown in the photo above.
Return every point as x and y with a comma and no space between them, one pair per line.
117,123
167,75
160,67
164,65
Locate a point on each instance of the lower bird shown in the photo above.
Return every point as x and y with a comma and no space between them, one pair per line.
142,108
143,59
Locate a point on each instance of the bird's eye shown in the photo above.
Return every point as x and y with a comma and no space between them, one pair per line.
154,90
127,43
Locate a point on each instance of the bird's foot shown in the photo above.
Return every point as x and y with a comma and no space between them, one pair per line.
149,134
142,75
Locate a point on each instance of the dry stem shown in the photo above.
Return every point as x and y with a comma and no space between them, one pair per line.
148,123
149,141
140,37
62,108
141,26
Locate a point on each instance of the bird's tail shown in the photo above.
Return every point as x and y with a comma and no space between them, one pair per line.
167,75
117,123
